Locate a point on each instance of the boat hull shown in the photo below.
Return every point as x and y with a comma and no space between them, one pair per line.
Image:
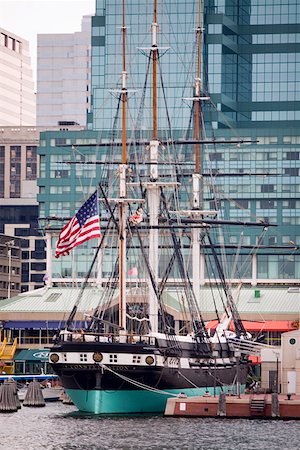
129,401
134,379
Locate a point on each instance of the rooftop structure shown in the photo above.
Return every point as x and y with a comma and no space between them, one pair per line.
16,82
250,65
63,76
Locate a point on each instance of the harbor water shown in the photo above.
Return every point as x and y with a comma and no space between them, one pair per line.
61,427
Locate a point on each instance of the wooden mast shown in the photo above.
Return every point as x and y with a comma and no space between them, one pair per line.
197,255
152,185
197,119
122,175
154,71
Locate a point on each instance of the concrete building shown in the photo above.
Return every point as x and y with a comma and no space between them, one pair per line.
291,362
63,76
10,266
18,200
19,169
280,369
17,97
251,63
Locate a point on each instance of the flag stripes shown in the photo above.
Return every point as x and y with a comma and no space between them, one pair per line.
83,226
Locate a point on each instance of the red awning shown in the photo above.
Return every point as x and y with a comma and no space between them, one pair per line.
255,359
268,325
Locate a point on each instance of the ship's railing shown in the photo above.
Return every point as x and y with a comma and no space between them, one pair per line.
249,347
84,336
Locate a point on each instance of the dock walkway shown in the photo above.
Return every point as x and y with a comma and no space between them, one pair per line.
264,406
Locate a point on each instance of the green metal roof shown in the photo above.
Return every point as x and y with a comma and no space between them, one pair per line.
51,300
270,300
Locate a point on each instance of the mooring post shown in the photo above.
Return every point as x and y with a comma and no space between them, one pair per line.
8,401
34,395
275,405
222,404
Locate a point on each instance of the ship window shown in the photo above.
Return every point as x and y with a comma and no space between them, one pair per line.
113,358
136,359
64,356
83,357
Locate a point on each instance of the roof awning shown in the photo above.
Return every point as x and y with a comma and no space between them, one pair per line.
38,324
36,355
255,359
33,324
268,325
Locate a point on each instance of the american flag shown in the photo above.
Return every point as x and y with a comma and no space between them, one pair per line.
137,217
133,271
83,226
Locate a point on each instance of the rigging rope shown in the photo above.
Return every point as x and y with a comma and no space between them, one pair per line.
137,383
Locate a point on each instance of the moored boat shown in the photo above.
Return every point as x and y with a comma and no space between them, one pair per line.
131,357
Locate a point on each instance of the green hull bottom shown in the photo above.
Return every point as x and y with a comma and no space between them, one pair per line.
131,401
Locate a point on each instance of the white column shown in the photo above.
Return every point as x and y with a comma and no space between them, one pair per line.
202,268
9,272
99,266
254,270
122,249
195,240
49,257
196,263
153,198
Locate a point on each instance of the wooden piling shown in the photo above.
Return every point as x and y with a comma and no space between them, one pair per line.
34,395
8,400
222,405
15,391
275,405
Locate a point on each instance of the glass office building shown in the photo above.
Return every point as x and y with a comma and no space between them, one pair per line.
250,69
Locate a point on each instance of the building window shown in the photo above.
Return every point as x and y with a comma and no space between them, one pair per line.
60,141
31,162
292,156
267,204
292,171
244,204
215,156
267,188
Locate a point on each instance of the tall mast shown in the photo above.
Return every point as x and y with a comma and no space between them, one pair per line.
197,255
122,175
153,187
154,71
197,118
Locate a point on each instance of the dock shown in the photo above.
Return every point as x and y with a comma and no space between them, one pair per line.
265,406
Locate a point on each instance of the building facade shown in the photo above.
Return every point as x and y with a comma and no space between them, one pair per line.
17,94
19,212
18,204
250,69
63,76
10,266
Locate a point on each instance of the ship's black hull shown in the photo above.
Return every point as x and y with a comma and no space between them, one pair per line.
103,388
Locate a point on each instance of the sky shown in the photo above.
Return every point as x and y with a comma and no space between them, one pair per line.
27,18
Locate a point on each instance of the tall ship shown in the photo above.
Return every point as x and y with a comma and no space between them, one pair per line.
131,355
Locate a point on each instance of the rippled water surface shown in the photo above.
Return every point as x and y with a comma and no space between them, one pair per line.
60,427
